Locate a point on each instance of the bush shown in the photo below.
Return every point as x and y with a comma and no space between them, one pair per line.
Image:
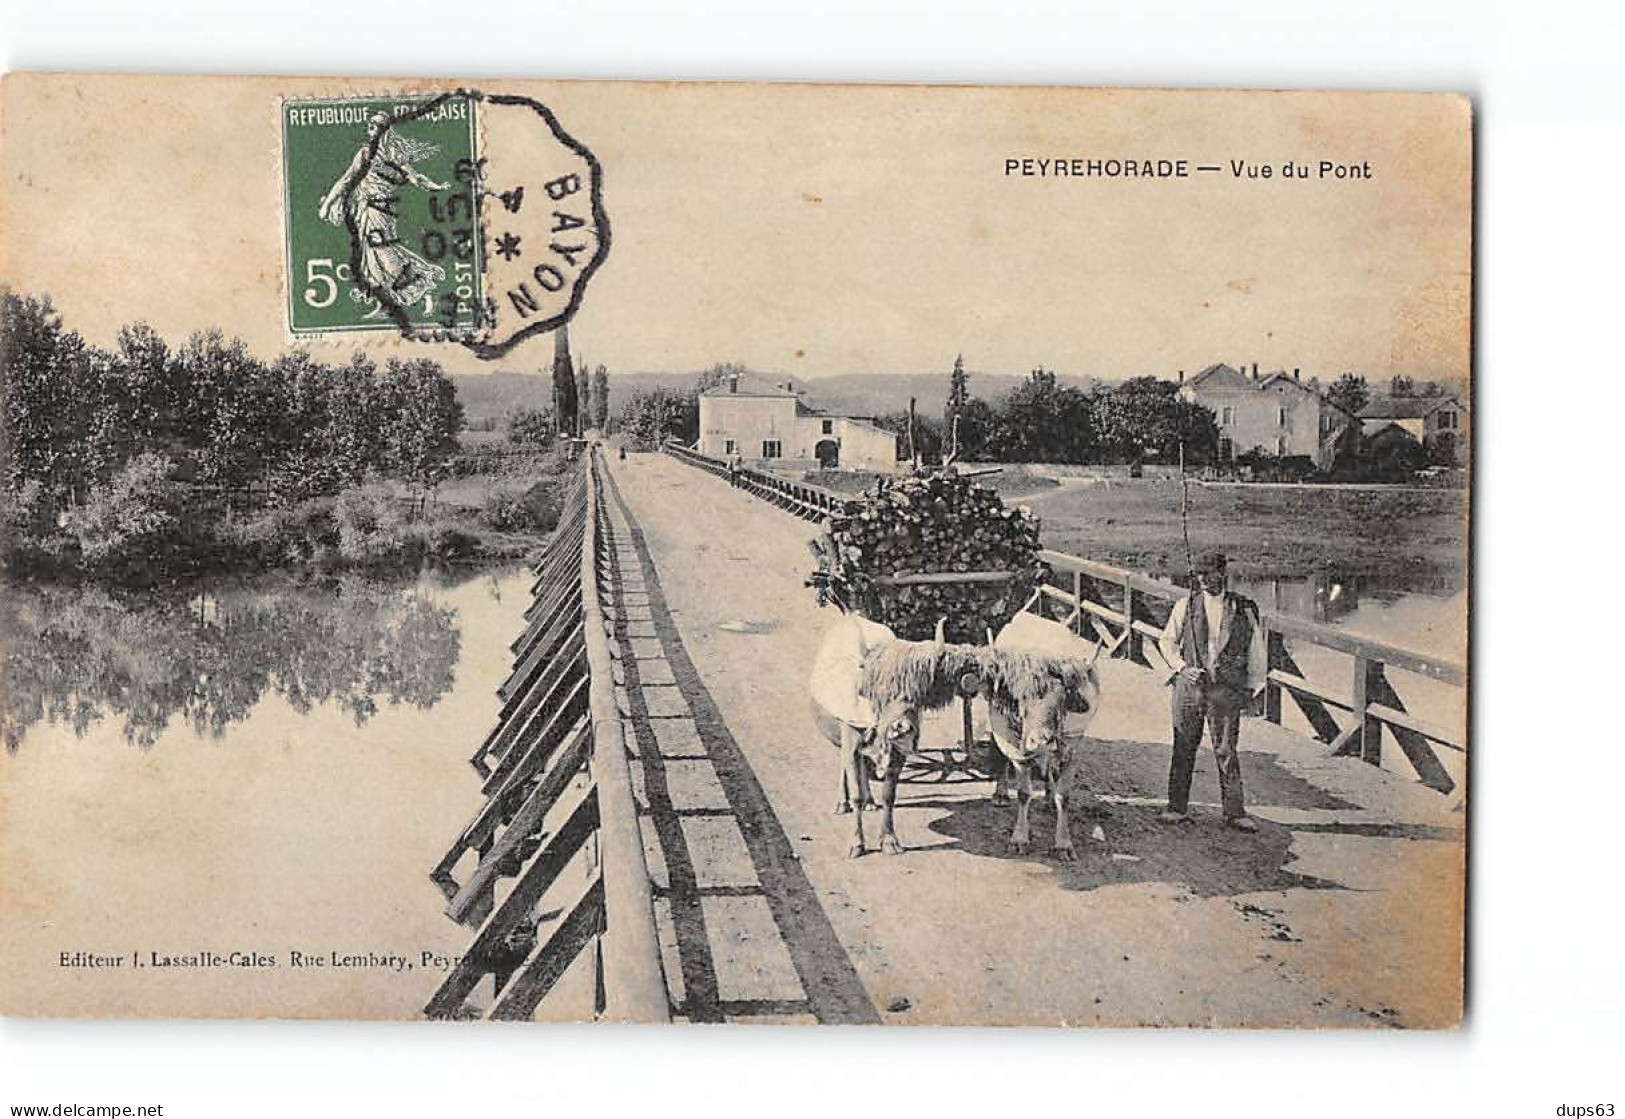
372,527
133,517
530,509
295,533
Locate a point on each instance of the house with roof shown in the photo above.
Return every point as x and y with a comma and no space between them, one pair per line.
1438,423
763,421
1277,413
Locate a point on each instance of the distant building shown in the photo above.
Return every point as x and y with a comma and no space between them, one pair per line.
1438,423
1276,413
761,421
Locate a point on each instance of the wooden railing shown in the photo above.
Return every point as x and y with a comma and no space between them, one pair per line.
559,818
1123,609
812,503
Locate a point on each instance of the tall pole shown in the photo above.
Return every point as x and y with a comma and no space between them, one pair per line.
913,449
1185,513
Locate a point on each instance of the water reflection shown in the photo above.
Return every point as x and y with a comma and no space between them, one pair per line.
1326,597
208,654
1425,614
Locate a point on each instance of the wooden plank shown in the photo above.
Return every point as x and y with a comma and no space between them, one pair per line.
1401,720
913,578
568,660
1366,672
1310,702
539,654
486,820
517,710
451,997
543,618
1329,637
540,801
523,761
1295,683
1412,736
553,957
633,977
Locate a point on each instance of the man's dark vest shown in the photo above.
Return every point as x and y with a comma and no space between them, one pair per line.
1231,671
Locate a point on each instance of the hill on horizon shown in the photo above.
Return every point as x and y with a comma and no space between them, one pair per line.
488,396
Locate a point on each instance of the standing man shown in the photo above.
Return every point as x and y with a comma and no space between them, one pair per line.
1215,646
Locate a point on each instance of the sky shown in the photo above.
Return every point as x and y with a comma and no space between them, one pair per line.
817,230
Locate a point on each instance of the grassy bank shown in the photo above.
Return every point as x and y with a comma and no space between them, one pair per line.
1269,532
159,529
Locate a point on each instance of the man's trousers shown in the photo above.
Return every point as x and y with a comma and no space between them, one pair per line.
1220,709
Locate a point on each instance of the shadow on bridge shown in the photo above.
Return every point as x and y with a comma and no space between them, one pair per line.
695,833
1130,778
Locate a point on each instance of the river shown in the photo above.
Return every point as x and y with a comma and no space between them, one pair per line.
1427,616
255,765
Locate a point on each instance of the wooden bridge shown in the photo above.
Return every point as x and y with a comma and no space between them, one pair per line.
655,840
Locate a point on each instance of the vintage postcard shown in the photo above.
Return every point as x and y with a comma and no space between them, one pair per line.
729,553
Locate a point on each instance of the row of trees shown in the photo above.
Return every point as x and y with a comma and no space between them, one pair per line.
538,427
1043,420
1040,420
1352,392
75,416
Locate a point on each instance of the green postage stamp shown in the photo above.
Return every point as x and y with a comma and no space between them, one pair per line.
464,217
380,202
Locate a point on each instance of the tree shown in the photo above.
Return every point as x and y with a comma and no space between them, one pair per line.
977,424
350,442
421,417
929,436
718,374
301,466
1144,417
48,397
583,398
649,417
133,517
564,381
1350,393
226,408
600,398
1043,421
958,397
530,427
1401,385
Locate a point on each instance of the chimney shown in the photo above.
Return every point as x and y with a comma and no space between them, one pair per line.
1181,376
1297,373
1255,370
733,382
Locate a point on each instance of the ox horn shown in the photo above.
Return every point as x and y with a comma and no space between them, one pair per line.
941,638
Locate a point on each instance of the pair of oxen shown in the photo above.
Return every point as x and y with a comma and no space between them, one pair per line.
1037,678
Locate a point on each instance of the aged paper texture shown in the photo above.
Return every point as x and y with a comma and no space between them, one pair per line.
734,553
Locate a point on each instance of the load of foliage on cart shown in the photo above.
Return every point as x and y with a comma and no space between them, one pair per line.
978,559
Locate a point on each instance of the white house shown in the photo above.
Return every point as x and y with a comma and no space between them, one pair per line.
1275,413
761,421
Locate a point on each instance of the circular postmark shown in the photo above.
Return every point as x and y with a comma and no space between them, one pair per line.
483,250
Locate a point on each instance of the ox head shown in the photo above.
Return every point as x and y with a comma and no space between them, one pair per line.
901,679
1040,673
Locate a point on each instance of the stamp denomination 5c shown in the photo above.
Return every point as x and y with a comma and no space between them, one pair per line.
464,217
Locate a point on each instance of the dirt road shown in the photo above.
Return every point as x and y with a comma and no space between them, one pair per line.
1345,910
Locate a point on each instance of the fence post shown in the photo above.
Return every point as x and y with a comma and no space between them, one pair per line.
1276,645
1077,602
1366,673
1131,642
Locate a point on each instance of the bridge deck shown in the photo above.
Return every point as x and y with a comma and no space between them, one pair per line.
1345,910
